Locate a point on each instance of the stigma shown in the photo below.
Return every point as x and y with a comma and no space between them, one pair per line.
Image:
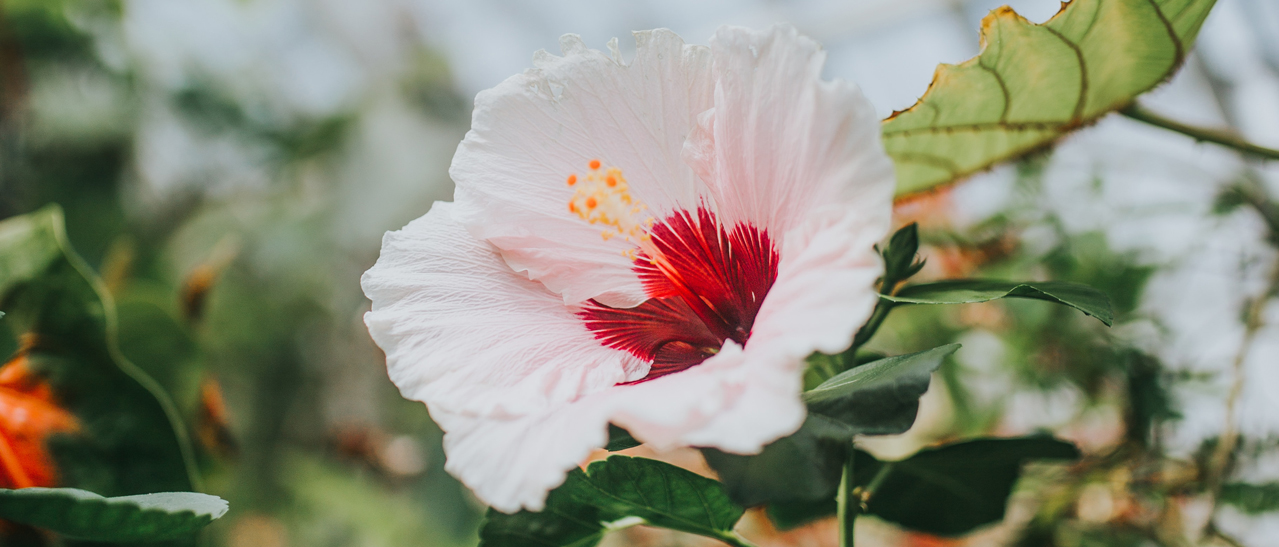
602,197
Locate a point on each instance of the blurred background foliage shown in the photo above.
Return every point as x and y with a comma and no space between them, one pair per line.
228,167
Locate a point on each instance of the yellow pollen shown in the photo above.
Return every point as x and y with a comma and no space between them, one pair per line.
602,196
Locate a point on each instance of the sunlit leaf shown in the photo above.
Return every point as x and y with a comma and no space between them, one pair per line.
963,291
128,440
614,493
1031,84
84,515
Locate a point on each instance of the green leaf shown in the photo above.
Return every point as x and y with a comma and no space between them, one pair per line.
878,398
84,515
617,492
620,439
947,490
952,489
802,466
964,291
1031,84
130,440
1252,498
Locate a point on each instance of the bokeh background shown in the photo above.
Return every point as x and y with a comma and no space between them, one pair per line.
229,167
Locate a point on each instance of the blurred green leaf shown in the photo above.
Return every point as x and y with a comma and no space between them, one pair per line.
964,291
1031,84
878,398
947,490
84,515
130,440
1252,498
615,493
954,488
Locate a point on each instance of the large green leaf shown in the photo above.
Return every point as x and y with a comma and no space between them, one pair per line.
963,291
1031,84
130,440
878,398
84,515
947,490
617,492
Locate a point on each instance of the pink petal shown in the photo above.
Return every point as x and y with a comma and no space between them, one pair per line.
535,129
468,336
783,147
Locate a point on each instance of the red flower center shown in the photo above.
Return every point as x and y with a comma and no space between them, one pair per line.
705,287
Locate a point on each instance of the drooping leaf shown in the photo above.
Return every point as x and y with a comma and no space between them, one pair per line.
952,489
128,440
84,515
964,291
878,398
614,493
1031,84
1252,498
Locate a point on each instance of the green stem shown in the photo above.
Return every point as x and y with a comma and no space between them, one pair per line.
850,502
1225,138
864,334
877,480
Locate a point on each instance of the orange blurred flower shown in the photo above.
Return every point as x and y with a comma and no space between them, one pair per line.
28,416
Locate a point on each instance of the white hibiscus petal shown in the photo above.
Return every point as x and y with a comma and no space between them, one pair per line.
788,147
535,129
466,334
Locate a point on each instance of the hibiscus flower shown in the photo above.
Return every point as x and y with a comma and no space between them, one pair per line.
658,244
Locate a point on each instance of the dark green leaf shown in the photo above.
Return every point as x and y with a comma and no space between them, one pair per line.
619,439
880,397
84,515
130,441
1252,498
952,489
804,465
563,523
1032,84
964,291
613,493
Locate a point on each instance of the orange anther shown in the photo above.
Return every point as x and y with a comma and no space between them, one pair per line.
572,179
590,203
595,164
611,181
572,207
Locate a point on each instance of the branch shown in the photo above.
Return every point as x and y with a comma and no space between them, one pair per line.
1217,136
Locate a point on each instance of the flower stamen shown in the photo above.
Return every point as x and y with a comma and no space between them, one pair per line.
602,196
